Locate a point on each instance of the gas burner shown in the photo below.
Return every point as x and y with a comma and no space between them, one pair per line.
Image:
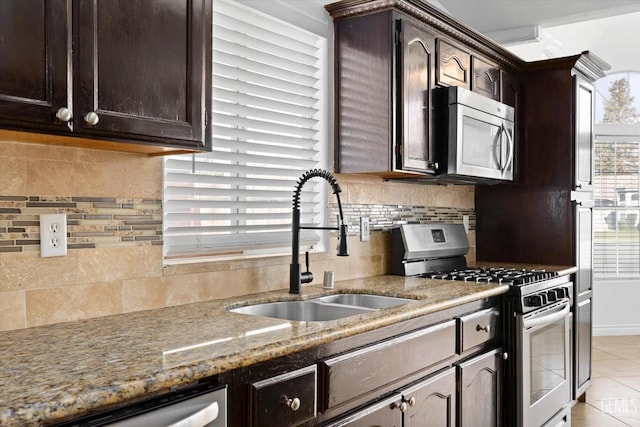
507,276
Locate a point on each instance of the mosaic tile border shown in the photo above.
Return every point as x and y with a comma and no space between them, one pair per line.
382,217
96,222
92,222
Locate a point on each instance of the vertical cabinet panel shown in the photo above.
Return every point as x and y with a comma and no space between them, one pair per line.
584,246
35,52
584,119
363,131
418,63
121,47
583,334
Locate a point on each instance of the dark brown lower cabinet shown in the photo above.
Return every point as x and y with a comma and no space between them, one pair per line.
288,399
438,370
429,402
481,390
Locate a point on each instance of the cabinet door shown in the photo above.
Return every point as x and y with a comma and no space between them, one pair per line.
480,390
35,49
584,249
485,78
509,88
383,413
582,347
432,402
418,63
140,69
454,65
584,119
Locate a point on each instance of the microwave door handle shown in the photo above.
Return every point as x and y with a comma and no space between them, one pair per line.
510,147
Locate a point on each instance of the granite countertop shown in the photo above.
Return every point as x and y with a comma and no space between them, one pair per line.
61,370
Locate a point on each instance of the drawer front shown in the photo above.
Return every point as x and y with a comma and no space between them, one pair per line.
285,400
478,328
360,372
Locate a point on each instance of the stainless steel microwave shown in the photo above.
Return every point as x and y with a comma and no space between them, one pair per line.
474,136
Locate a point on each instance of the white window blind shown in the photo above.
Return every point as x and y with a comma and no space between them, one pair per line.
616,213
268,120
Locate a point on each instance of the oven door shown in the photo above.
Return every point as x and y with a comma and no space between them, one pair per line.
480,144
544,368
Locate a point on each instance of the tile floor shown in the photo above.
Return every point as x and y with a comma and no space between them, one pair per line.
614,396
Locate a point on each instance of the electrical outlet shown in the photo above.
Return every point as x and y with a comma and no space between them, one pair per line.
53,235
365,232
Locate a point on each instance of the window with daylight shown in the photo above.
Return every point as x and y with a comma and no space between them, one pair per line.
616,213
269,126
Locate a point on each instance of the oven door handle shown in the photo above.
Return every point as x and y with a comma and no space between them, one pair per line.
547,319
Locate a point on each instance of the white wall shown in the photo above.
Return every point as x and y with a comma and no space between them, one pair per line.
616,307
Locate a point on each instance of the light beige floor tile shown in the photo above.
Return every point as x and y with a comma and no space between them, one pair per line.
625,410
615,368
585,415
633,382
597,354
608,389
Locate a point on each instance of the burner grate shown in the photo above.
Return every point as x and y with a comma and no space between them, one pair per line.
507,276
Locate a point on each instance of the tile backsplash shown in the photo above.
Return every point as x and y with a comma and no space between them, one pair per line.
114,263
91,221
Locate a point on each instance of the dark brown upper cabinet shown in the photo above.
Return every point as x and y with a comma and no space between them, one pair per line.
131,76
417,58
389,56
385,64
454,65
485,78
35,47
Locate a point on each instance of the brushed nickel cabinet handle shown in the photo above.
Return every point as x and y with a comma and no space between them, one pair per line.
63,114
91,118
293,404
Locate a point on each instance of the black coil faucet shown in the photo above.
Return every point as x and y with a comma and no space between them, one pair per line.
296,276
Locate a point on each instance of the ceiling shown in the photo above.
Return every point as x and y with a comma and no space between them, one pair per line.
539,29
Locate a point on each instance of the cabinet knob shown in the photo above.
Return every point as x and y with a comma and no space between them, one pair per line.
578,186
293,404
91,118
505,355
487,328
411,401
400,405
63,114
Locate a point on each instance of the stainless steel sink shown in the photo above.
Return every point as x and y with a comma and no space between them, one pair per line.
304,311
330,307
375,302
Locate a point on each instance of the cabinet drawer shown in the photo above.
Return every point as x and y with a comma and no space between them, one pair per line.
284,400
477,328
363,371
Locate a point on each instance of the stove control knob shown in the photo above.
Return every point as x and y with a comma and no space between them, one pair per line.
534,301
563,292
552,296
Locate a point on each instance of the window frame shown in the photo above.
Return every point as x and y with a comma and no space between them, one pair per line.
323,156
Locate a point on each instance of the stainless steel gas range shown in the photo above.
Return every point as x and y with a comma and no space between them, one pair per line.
536,319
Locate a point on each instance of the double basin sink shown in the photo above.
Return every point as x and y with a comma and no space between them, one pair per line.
329,307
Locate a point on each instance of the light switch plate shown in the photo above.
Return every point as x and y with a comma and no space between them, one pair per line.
53,235
365,232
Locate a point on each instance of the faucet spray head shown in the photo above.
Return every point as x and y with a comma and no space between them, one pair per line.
343,248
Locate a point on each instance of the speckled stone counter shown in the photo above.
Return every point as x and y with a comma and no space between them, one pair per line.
57,371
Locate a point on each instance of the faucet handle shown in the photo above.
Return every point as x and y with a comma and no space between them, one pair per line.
307,276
